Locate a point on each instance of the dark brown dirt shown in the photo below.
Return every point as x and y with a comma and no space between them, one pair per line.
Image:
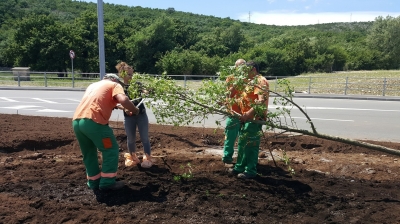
43,180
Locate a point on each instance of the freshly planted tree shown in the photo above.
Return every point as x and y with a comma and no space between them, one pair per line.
175,105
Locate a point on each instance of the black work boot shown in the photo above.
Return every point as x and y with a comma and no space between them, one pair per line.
116,186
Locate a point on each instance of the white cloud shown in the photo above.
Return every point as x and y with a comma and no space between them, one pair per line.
291,18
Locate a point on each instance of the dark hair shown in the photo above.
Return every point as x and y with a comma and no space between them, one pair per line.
253,65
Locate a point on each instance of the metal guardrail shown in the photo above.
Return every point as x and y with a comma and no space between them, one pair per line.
351,85
46,79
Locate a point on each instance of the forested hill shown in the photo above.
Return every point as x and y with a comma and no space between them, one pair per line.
40,33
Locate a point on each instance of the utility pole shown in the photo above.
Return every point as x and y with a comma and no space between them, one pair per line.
249,16
100,23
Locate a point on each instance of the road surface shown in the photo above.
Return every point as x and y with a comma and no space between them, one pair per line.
348,118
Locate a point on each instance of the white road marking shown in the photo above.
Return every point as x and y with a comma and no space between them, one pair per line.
322,119
20,107
355,109
46,101
74,100
332,108
55,111
8,99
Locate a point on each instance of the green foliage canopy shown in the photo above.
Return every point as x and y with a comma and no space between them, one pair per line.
40,33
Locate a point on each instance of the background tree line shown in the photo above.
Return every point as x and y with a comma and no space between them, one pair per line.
40,33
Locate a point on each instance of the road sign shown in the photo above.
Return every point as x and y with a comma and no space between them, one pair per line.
71,54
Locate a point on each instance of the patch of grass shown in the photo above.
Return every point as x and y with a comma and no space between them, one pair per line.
376,83
187,172
50,80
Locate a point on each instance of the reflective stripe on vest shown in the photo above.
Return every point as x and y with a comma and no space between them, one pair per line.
94,177
108,175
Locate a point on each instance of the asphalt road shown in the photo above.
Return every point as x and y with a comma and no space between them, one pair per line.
354,117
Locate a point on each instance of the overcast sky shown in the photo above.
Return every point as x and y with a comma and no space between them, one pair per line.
278,12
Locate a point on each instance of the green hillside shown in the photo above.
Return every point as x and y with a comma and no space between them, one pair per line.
40,33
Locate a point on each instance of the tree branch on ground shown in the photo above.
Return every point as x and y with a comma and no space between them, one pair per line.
175,105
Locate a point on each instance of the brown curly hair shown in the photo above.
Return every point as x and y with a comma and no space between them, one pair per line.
123,68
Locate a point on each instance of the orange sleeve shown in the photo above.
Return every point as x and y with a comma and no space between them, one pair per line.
118,89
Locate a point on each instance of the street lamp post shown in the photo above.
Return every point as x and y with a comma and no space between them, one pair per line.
100,23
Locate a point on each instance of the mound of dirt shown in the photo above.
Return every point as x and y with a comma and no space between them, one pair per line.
43,179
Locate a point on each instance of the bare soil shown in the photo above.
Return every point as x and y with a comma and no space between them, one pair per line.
43,179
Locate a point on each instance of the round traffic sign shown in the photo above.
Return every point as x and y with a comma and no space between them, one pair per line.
71,54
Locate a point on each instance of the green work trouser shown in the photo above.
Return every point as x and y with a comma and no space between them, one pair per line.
248,147
231,132
92,136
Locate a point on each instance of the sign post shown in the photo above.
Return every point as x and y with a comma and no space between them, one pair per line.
72,56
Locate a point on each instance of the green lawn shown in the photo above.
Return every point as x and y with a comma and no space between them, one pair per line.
376,83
